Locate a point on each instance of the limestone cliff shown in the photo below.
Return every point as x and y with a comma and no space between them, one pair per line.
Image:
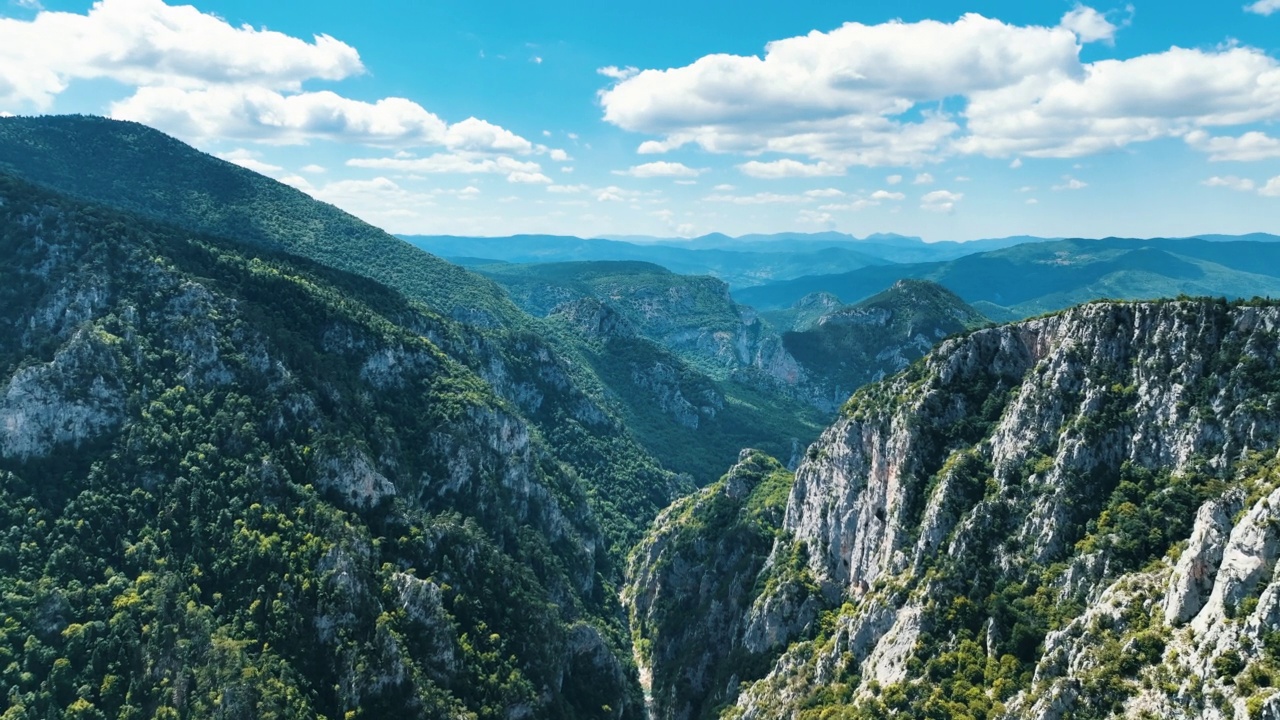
1072,516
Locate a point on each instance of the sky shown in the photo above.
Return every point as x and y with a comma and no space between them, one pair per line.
941,119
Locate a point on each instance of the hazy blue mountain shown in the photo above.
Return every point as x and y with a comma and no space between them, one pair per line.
737,267
1032,278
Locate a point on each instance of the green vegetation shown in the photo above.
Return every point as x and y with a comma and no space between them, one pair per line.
688,626
548,374
852,345
227,546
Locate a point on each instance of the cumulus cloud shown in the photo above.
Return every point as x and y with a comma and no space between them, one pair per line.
616,73
660,170
197,76
251,160
893,179
788,168
313,169
146,42
763,198
1231,181
1070,183
923,179
940,201
1272,188
1089,25
1248,147
823,193
886,195
869,95
1263,7
517,171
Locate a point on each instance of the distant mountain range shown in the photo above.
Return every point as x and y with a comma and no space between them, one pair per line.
742,262
1034,278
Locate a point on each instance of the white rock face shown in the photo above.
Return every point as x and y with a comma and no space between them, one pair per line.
1046,416
74,399
1193,576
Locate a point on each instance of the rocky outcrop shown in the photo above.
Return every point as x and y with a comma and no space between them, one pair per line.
76,398
1003,504
690,584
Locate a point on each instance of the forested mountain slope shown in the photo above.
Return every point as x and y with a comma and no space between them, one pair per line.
1070,517
240,484
535,366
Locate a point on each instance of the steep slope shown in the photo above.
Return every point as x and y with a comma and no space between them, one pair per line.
846,347
695,423
239,484
1034,278
1073,516
693,316
701,561
541,371
134,168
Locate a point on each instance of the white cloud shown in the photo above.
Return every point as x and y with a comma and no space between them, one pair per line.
1090,25
963,178
660,170
855,205
1032,201
1248,147
815,217
725,188
940,201
1017,163
257,113
1263,7
528,178
763,198
313,169
251,160
893,179
567,189
823,193
1026,188
841,97
1070,183
1272,188
379,201
886,195
517,171
196,76
788,168
558,155
617,73
146,42
1232,182
479,135
923,179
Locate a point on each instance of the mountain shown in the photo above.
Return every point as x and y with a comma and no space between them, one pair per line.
736,267
848,346
238,483
136,169
542,371
885,246
1250,237
1034,278
697,319
1073,516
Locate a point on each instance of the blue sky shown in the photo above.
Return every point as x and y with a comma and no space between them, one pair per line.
948,120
